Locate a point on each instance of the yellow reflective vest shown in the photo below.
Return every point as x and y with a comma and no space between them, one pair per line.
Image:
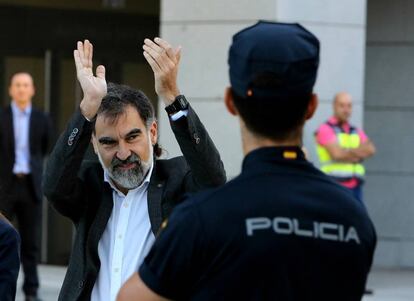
341,171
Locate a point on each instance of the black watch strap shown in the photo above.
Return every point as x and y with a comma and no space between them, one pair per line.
179,104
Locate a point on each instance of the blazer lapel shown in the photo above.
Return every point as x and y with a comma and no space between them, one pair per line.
154,198
99,225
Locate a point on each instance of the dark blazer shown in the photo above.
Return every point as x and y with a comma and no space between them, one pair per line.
79,192
40,136
9,260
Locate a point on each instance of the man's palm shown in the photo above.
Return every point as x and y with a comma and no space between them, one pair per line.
93,87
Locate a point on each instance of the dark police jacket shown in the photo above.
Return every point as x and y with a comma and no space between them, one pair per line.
86,199
281,230
40,136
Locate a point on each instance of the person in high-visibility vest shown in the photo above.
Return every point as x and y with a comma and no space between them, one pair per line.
342,147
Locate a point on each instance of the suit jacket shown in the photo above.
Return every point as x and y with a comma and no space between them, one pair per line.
40,136
9,260
79,192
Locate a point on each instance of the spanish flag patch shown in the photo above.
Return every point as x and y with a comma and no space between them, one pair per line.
290,155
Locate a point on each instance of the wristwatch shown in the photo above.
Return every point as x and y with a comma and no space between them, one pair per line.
179,104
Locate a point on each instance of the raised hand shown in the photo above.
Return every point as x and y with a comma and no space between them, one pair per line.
93,87
164,61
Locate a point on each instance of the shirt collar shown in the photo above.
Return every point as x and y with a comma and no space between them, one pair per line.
273,154
26,111
333,120
146,180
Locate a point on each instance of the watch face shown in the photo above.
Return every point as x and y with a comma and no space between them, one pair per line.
179,104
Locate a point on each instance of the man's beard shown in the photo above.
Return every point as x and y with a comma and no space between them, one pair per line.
130,178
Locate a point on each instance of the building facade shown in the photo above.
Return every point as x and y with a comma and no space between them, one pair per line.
367,49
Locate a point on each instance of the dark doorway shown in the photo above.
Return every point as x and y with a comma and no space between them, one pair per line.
40,40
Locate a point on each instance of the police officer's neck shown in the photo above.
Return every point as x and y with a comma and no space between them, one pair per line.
252,141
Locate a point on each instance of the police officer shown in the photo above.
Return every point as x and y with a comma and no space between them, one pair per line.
281,230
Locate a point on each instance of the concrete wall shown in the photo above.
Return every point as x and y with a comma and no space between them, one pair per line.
389,115
386,51
204,29
340,27
205,32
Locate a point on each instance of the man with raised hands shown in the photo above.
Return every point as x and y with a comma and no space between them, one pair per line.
118,206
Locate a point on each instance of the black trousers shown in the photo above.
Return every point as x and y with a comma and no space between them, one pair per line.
20,203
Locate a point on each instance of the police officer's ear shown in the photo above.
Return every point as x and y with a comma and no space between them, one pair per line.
229,102
313,104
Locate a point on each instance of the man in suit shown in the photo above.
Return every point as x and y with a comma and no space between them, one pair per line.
25,135
9,259
118,206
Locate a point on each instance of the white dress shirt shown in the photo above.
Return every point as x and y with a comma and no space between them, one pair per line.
21,120
125,242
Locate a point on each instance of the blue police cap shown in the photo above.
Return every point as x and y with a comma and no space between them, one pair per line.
273,60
